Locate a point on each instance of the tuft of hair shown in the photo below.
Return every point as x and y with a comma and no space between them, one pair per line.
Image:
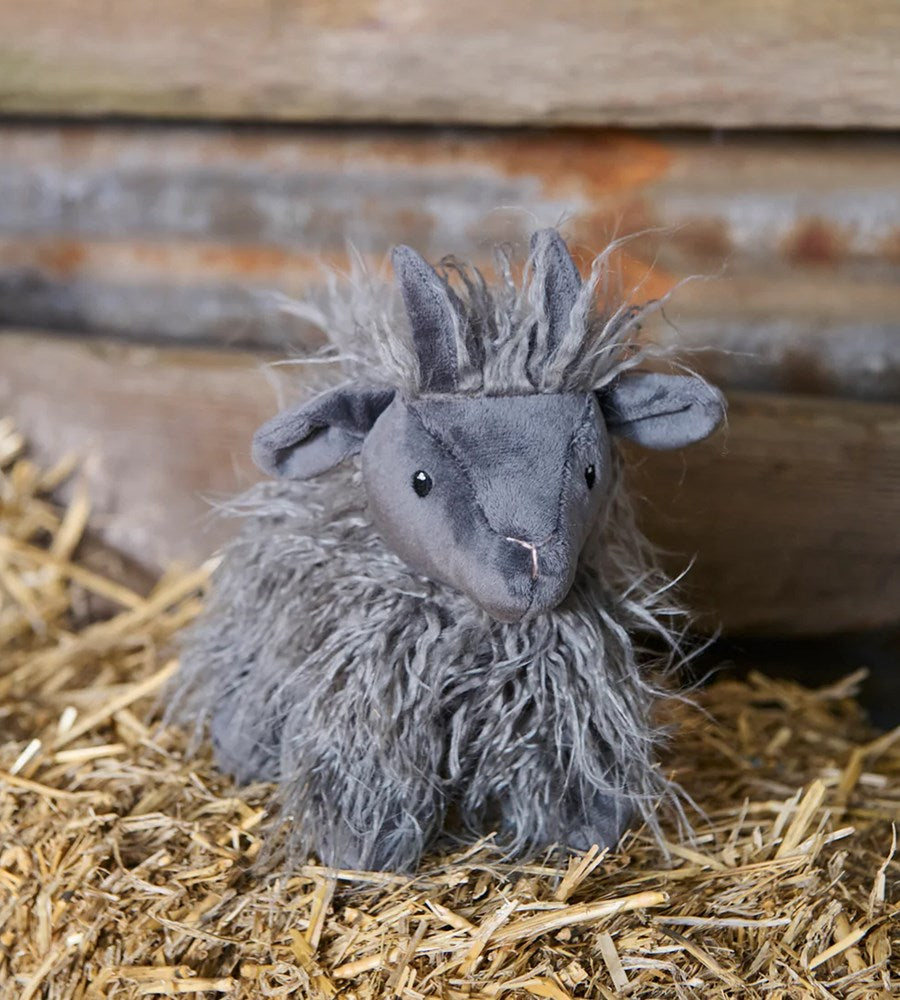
502,340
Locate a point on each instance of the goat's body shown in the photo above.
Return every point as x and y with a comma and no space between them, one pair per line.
387,706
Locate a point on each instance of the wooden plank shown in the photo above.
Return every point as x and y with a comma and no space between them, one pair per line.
160,433
792,512
182,232
648,62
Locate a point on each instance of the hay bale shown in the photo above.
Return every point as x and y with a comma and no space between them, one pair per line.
128,869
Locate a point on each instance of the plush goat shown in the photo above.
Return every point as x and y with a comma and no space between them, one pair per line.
442,636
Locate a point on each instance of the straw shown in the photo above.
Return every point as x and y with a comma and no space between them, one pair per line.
128,869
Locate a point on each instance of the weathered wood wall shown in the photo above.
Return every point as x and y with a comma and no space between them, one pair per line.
172,234
180,233
641,62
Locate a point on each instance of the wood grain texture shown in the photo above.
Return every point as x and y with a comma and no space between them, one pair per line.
793,514
182,233
645,62
792,511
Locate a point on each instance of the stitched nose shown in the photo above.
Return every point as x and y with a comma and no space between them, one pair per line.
532,548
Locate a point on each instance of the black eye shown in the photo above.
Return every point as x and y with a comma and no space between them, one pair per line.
590,476
421,483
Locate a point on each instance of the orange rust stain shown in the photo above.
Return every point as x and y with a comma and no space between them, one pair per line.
186,263
634,264
243,261
591,163
632,279
595,164
815,242
641,281
178,263
63,258
633,267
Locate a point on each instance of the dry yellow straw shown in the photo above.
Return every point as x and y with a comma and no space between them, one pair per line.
129,870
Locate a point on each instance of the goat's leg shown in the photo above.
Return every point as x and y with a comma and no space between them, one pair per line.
360,779
536,775
534,798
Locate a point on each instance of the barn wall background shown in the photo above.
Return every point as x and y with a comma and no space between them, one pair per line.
167,168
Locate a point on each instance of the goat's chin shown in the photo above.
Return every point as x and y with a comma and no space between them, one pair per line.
507,608
535,601
508,614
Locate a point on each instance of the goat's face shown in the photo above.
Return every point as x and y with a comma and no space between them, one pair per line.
494,495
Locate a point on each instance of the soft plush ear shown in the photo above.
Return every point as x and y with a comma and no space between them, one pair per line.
661,411
433,315
561,280
314,437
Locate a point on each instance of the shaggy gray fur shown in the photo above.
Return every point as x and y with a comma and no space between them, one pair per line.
398,662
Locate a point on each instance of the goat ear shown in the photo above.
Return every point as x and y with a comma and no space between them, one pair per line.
662,411
562,282
433,315
312,438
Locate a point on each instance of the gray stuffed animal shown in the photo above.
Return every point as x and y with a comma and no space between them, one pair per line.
442,636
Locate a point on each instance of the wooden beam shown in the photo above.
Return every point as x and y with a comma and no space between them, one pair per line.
792,512
820,63
183,233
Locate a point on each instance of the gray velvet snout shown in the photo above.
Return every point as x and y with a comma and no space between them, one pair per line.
493,495
544,573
